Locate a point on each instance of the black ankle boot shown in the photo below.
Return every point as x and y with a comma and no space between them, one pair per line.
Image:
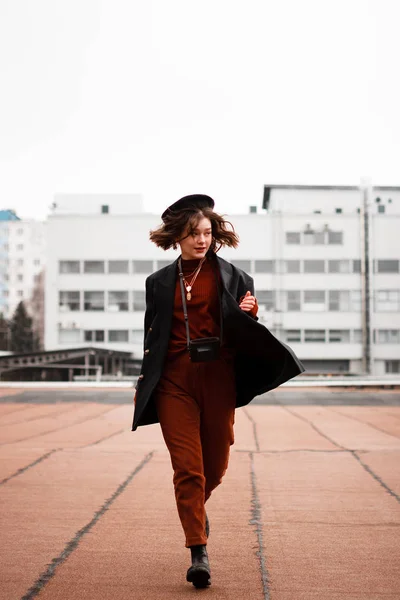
199,573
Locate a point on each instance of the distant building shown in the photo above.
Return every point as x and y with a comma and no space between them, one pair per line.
99,256
304,249
313,281
22,255
8,215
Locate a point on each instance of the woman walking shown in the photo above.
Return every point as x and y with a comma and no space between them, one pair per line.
205,354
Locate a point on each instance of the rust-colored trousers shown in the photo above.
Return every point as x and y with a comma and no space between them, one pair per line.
196,409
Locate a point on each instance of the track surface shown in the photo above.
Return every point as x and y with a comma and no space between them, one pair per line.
309,508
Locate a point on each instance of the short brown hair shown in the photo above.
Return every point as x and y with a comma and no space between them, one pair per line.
168,234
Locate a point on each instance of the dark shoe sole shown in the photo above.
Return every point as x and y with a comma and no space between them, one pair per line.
199,576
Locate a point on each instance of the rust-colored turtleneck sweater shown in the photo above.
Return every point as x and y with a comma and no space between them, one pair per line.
203,308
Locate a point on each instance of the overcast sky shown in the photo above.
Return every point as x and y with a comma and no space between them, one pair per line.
172,97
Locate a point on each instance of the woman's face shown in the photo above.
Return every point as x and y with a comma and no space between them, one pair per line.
196,244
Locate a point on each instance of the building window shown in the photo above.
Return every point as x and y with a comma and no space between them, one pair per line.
69,266
357,265
93,301
36,262
335,237
266,299
339,266
118,301
142,266
5,293
118,266
245,265
162,263
339,335
93,266
392,366
263,266
314,266
137,336
118,335
292,335
357,336
293,300
387,266
381,208
338,211
314,335
293,237
314,300
387,300
339,300
388,336
20,231
20,293
69,300
20,262
69,336
139,301
355,300
20,246
20,277
94,336
313,237
105,209
291,266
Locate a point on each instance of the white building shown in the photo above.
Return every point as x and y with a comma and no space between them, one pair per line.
22,258
304,249
99,256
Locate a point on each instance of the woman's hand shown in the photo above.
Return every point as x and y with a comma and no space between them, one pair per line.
248,302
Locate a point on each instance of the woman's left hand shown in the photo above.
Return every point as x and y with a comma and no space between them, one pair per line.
248,302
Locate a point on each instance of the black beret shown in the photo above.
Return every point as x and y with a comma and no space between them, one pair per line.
193,201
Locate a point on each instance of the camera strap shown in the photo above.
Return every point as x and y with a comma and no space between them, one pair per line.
184,305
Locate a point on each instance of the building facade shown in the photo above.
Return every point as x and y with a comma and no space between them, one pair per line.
22,259
99,256
305,249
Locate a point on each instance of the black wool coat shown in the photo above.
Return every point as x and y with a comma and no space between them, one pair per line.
262,362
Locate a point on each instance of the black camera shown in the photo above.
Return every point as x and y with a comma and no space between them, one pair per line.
204,349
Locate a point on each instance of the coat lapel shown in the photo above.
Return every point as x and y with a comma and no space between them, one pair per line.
165,292
226,272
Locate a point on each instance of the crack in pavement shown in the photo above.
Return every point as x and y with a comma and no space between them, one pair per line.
45,577
50,414
355,455
32,464
252,421
315,428
19,408
107,437
256,517
256,520
338,412
38,435
375,476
